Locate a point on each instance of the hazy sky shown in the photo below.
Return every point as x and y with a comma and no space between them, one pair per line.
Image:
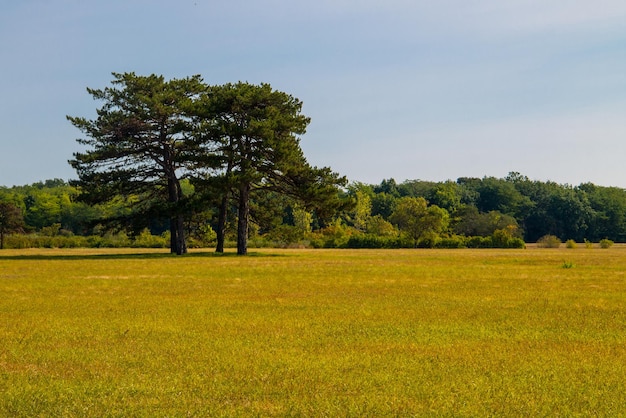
409,89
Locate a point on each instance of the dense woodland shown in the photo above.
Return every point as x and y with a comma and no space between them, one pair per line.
180,163
371,216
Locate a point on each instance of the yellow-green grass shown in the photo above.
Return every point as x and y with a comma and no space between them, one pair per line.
535,332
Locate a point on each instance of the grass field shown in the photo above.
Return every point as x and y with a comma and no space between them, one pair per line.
535,332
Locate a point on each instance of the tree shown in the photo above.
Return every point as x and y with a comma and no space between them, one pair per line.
446,195
558,210
500,195
140,145
11,220
470,222
418,220
254,135
609,212
383,204
361,194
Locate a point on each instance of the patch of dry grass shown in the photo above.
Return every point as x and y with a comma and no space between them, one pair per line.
313,332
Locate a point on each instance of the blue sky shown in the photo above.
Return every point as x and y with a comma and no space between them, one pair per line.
409,89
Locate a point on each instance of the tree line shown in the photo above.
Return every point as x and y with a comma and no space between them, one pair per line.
193,163
479,212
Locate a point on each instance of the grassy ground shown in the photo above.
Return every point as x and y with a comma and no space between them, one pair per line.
532,332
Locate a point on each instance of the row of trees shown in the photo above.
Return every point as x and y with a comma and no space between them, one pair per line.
387,214
480,206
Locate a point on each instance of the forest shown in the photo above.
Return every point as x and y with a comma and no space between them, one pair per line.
468,212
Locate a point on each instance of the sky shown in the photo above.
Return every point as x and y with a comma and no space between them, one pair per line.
405,89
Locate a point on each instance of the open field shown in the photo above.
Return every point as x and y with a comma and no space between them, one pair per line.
532,332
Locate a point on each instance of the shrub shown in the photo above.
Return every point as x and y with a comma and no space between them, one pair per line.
146,240
18,241
588,244
516,243
570,243
479,242
549,241
429,240
455,241
504,238
335,235
368,241
606,243
119,240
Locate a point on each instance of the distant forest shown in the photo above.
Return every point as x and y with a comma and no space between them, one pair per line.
468,212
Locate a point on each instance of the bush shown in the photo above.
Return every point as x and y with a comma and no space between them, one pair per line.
549,241
146,240
119,240
17,241
606,243
429,240
570,243
479,242
455,241
516,243
588,244
503,238
335,235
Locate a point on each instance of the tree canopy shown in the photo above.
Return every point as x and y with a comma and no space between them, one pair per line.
11,220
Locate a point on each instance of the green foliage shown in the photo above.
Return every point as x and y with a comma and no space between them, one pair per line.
606,243
362,210
570,243
146,240
372,241
549,241
588,244
479,242
608,206
420,222
467,220
335,235
383,205
505,238
284,236
497,195
454,241
447,195
376,225
11,220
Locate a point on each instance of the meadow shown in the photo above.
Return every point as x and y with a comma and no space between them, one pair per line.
118,333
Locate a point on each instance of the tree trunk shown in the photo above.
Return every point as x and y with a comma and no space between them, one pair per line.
221,225
181,244
242,224
178,243
173,235
177,226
